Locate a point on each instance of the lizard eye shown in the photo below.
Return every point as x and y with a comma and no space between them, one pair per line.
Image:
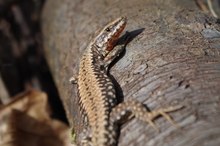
107,29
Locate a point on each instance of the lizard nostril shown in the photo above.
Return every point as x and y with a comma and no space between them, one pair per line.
107,29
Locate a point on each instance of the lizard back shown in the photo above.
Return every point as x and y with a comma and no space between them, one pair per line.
96,90
97,97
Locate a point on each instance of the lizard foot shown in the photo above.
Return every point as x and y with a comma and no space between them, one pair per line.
140,112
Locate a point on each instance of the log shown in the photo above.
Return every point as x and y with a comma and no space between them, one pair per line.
172,59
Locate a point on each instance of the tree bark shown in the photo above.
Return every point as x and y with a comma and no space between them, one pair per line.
174,60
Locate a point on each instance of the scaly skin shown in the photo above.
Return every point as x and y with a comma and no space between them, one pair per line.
97,94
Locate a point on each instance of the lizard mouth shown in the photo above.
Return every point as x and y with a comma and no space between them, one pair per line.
109,35
118,30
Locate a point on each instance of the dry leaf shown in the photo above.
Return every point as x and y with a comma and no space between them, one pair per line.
26,122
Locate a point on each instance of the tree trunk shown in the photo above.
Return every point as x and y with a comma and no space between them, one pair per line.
173,60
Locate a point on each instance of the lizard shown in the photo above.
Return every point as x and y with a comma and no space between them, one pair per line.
97,95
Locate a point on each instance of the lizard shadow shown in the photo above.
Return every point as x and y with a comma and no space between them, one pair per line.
122,42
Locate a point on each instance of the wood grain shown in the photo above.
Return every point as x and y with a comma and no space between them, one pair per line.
174,60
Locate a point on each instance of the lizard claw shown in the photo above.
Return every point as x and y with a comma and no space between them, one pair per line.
73,80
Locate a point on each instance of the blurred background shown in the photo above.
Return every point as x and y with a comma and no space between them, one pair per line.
22,63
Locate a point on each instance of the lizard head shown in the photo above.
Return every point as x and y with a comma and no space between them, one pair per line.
108,36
